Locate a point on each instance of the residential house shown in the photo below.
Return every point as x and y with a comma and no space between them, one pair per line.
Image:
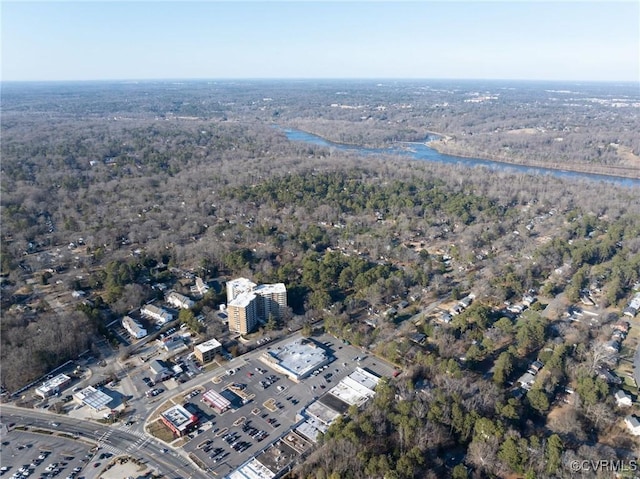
526,381
466,301
133,327
622,326
612,346
152,311
633,425
535,367
623,399
180,300
200,288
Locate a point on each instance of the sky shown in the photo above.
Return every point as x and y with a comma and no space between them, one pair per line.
117,40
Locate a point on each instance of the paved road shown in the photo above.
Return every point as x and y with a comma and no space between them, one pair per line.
117,440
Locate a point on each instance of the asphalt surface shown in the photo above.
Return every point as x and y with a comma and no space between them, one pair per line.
108,438
130,438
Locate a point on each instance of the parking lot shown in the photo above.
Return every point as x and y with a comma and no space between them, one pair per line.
26,454
272,404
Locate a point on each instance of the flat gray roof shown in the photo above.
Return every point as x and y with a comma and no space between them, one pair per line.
322,412
299,357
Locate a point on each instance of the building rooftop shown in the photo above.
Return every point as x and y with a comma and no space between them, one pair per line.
277,456
365,378
54,383
322,412
242,300
351,392
276,288
299,357
216,400
309,430
208,345
179,417
239,285
94,398
253,469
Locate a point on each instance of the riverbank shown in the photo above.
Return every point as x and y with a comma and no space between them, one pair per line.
425,151
446,145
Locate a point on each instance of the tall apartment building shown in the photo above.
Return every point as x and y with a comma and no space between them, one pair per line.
242,313
247,302
272,299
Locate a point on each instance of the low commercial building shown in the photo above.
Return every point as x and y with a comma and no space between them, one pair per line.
92,397
216,401
134,328
297,359
356,389
179,420
159,371
53,386
205,352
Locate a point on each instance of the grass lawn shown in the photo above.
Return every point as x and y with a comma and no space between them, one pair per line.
160,431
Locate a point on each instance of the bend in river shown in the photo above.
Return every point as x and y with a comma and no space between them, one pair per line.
421,151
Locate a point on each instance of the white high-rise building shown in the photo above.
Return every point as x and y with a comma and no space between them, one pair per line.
272,299
237,286
242,313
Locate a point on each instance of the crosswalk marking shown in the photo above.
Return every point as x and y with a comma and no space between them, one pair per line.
131,430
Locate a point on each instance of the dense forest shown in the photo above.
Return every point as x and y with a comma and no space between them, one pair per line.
111,188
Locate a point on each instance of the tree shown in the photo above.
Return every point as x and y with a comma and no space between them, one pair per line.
272,323
503,368
531,332
306,330
553,453
510,454
538,400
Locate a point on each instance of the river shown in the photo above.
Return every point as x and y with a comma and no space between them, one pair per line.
420,151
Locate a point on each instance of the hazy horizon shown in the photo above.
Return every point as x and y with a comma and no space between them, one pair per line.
387,40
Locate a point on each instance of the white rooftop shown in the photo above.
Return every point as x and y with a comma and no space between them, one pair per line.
310,429
271,288
253,469
94,398
351,392
178,416
299,357
242,300
54,383
365,378
237,286
208,345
